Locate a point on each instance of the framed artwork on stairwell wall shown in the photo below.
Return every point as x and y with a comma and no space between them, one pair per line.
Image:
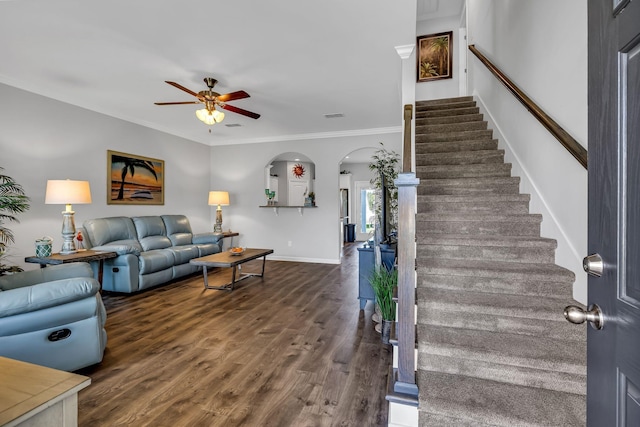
434,58
134,180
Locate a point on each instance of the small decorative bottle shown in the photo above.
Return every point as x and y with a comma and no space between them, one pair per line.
79,238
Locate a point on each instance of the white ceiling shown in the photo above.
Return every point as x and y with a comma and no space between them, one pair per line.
297,59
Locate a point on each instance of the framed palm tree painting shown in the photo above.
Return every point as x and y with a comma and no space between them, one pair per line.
134,180
435,61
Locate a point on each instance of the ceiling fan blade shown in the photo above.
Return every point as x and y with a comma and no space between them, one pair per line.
233,96
240,111
179,86
177,103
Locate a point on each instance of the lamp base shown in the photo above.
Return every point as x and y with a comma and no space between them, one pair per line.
68,233
217,228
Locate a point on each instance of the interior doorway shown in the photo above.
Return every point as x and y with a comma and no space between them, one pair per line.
364,212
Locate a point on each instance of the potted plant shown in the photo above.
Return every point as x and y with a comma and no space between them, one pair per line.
12,201
312,196
383,281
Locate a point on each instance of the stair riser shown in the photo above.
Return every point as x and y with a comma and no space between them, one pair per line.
478,228
479,402
454,136
462,118
480,274
450,127
465,171
447,113
532,255
431,360
556,329
479,208
442,101
519,286
504,305
420,106
455,146
435,189
460,158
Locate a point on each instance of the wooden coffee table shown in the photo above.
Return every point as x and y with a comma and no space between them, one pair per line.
227,259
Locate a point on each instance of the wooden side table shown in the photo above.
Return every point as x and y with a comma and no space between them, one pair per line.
80,256
230,234
33,395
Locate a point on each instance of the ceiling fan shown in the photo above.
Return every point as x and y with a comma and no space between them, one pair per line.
210,99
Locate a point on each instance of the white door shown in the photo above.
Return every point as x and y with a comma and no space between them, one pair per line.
297,191
363,216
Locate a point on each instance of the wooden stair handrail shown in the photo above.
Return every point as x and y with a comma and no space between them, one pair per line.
406,149
576,150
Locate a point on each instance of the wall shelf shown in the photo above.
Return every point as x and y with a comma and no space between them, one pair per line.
276,207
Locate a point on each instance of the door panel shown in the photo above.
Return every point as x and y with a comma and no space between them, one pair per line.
613,372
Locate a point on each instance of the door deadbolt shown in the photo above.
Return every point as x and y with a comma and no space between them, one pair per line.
577,315
593,265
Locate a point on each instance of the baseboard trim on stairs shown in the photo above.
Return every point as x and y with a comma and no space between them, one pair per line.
567,254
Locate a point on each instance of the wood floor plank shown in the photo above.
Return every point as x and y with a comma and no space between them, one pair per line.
289,349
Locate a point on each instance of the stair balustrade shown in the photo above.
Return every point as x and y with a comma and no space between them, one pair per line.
404,381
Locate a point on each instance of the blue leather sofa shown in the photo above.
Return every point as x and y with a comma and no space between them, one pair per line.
53,317
152,250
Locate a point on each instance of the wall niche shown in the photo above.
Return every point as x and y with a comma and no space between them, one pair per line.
290,178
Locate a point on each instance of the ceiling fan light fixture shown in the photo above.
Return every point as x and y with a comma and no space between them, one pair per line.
209,117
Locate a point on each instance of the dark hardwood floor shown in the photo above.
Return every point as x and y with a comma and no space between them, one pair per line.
292,349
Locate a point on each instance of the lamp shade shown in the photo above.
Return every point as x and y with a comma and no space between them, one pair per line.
219,198
65,192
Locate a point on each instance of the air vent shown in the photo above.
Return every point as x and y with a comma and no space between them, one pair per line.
333,115
233,125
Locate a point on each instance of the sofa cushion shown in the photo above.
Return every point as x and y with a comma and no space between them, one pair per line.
178,229
155,260
183,254
101,231
151,232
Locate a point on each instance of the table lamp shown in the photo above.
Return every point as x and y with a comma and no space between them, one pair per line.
220,198
67,192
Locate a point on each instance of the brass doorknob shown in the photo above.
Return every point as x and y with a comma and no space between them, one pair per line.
577,315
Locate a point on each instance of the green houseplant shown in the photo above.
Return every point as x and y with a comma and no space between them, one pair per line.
383,281
384,163
12,201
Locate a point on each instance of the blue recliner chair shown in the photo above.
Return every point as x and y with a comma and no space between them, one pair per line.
53,317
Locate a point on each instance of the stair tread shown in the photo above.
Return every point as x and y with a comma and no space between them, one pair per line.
468,181
451,198
457,118
454,146
476,402
488,240
491,268
461,216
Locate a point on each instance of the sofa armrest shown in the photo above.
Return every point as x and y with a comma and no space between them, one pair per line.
120,249
207,238
44,295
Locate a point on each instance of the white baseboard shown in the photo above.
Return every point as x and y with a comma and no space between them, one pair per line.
298,259
566,254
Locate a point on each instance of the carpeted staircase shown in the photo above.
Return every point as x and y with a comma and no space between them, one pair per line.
493,345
